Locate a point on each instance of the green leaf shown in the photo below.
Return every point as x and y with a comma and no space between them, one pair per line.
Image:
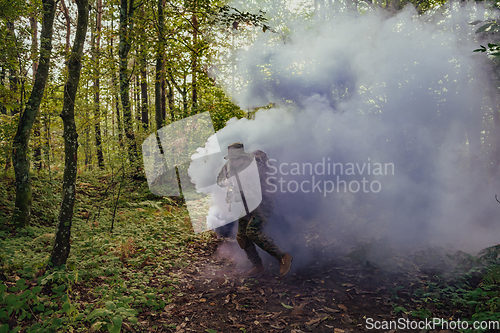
150,295
96,326
98,313
20,282
110,305
25,294
11,299
66,307
484,27
209,330
3,287
36,290
116,324
59,289
287,306
4,328
482,49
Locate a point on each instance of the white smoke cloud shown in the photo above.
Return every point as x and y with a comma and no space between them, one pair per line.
405,90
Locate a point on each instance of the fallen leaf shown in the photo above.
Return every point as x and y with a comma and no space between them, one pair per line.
330,309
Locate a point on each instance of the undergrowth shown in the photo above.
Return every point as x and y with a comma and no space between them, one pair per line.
471,293
122,261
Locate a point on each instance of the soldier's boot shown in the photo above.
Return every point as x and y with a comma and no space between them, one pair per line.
285,264
253,256
255,271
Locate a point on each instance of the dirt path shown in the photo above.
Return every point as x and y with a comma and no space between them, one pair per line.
327,296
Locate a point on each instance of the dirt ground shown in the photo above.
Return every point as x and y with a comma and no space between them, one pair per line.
333,294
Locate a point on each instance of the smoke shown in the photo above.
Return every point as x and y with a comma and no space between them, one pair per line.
392,113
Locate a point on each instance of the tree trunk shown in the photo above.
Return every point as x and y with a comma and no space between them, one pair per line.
68,27
163,92
34,48
13,71
97,110
170,98
3,109
194,62
126,12
13,83
116,97
22,211
159,68
60,252
144,91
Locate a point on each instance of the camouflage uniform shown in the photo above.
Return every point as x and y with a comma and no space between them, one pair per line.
250,227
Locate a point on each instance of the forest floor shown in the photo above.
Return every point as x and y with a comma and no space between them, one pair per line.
329,295
136,266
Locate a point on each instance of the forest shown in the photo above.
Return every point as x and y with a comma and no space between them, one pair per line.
378,121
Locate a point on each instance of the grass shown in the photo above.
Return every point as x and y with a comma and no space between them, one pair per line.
112,274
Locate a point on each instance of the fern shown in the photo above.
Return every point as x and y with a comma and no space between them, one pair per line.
490,253
492,277
149,203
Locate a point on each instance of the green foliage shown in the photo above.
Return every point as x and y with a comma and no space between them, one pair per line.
112,316
123,273
490,253
488,27
231,17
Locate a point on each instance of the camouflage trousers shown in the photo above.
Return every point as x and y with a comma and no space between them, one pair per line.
250,233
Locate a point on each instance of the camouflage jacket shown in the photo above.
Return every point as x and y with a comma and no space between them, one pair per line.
262,161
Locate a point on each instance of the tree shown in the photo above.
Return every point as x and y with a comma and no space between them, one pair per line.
160,67
96,49
60,252
126,25
22,211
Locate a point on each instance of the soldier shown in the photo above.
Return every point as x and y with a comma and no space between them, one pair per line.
250,227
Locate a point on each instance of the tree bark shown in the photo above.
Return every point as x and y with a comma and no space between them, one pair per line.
126,25
68,27
97,111
116,95
61,249
159,68
13,71
34,48
170,98
144,91
13,83
194,62
22,211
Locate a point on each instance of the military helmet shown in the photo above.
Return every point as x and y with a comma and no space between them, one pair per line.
237,150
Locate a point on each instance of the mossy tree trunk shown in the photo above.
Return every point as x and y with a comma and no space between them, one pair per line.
126,25
61,248
22,211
